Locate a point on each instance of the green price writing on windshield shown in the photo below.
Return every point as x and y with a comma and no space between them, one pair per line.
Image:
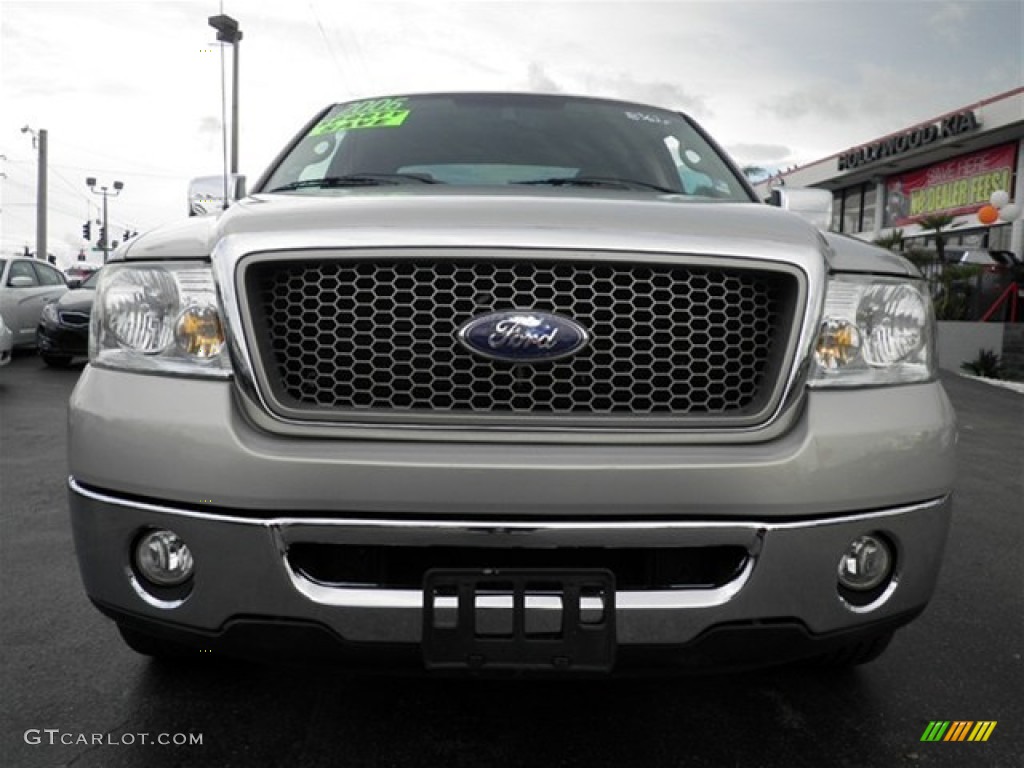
380,113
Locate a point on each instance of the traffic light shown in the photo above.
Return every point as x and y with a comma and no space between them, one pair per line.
87,230
103,237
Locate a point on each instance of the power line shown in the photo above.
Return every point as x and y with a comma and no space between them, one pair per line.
105,171
119,172
17,183
65,211
330,48
117,223
113,157
71,187
353,51
15,216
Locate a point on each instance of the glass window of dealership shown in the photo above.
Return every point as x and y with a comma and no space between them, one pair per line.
950,165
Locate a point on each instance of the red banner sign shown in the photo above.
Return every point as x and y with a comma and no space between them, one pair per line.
954,187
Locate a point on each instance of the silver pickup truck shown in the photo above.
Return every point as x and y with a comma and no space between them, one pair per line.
511,383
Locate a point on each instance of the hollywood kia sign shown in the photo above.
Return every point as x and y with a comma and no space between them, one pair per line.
915,138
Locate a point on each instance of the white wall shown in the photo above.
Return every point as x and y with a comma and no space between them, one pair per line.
962,342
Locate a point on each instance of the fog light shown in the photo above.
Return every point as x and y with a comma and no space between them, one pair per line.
866,563
163,558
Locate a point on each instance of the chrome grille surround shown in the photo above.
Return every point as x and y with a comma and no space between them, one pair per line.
369,337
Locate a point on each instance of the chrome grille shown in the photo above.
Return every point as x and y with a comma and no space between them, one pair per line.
341,338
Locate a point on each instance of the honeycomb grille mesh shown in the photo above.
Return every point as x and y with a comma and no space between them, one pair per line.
667,340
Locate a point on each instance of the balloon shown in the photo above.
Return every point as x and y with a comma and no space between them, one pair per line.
999,198
1009,212
987,214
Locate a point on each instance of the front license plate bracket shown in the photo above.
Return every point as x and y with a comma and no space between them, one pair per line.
519,619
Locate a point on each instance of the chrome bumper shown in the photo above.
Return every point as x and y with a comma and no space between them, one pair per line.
242,569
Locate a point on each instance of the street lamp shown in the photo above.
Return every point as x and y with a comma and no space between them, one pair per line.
39,141
228,31
104,233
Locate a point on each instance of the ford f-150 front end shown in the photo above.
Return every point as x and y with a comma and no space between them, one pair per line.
497,381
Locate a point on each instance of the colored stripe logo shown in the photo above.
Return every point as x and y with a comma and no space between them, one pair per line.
958,730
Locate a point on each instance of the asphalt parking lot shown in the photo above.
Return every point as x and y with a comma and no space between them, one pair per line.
73,695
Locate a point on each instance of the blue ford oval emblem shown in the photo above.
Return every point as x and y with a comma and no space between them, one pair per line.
523,336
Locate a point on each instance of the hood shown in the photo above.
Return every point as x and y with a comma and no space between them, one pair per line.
848,254
191,238
600,220
79,299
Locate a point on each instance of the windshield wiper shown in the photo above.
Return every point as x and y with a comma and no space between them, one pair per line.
357,180
597,181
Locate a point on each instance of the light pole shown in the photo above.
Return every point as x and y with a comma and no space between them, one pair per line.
39,141
229,32
105,232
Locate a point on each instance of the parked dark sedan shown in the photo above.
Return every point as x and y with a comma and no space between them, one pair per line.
63,331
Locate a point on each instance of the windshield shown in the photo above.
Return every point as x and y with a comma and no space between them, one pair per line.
505,139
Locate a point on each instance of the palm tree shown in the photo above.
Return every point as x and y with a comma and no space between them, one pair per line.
949,304
755,173
893,240
936,222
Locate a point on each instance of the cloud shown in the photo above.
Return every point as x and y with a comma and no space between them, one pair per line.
777,81
760,154
947,22
209,130
538,79
209,124
816,101
655,92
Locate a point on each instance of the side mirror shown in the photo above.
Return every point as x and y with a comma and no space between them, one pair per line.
74,282
206,194
20,281
812,205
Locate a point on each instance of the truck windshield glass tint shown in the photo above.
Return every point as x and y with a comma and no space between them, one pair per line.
502,139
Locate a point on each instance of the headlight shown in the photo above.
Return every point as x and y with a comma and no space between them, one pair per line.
162,318
874,331
49,314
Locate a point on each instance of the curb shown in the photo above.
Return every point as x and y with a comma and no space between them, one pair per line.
1015,386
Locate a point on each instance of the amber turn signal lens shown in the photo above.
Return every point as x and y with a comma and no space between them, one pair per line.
839,344
199,332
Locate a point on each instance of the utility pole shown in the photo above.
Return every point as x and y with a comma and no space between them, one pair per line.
229,32
39,141
104,241
234,102
42,247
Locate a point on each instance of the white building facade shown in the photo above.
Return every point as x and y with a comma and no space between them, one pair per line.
948,165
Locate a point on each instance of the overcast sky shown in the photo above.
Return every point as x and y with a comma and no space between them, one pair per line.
130,91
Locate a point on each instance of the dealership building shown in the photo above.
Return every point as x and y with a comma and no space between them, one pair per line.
950,164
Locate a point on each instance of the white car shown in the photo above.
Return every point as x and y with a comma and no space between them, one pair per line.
26,286
6,342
